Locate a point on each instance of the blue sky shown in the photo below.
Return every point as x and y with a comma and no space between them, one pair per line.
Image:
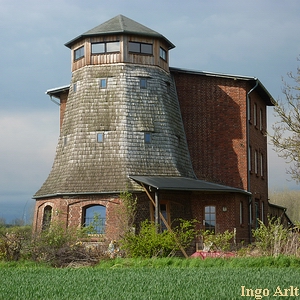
254,38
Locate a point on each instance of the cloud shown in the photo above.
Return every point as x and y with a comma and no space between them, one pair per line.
27,149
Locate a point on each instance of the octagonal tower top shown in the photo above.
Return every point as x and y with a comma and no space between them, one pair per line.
120,40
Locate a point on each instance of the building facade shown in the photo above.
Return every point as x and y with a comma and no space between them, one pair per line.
187,144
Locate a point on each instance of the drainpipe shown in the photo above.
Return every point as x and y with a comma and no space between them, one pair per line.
248,155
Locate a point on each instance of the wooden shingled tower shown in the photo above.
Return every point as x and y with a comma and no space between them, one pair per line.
120,116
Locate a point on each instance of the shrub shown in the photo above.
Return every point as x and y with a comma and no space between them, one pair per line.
61,246
271,239
126,213
217,241
150,243
14,242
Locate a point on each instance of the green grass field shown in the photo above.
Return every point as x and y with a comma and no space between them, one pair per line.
153,279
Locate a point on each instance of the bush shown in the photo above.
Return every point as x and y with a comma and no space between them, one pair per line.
274,239
150,243
14,242
61,247
217,241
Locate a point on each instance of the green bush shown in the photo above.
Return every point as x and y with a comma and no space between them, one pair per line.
149,242
217,241
271,239
14,242
62,246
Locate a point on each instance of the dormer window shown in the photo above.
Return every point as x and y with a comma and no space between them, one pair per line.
142,48
79,53
105,47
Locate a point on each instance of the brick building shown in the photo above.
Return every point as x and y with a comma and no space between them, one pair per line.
193,142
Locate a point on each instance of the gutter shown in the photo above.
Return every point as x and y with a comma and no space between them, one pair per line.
248,156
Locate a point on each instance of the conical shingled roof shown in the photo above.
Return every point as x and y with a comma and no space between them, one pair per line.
120,25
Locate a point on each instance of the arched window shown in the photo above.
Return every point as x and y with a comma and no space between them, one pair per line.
210,218
47,217
95,217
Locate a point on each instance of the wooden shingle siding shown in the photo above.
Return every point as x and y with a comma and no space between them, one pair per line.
123,112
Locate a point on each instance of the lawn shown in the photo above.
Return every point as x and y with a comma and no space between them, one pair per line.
154,279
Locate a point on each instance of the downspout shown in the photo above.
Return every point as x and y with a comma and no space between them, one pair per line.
248,156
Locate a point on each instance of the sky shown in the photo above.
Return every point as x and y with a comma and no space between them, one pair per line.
258,38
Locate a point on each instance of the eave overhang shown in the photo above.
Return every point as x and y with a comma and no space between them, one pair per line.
164,183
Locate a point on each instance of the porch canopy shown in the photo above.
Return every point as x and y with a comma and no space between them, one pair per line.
184,184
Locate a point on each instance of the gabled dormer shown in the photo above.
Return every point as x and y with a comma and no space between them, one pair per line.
120,40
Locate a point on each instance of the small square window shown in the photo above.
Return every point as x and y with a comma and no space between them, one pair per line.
147,137
100,137
103,83
143,83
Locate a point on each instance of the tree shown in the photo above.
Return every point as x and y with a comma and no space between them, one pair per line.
286,136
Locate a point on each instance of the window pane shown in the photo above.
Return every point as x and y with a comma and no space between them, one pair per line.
146,48
47,217
100,137
143,83
98,48
210,217
78,53
113,47
103,83
163,53
95,216
134,47
147,137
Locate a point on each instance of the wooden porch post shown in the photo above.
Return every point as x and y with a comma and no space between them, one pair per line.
165,222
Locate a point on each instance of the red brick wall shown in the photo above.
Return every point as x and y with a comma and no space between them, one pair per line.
225,220
214,116
214,112
258,143
68,211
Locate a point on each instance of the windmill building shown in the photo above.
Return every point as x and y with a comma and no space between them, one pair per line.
194,141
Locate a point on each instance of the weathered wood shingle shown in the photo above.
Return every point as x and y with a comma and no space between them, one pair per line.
123,112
